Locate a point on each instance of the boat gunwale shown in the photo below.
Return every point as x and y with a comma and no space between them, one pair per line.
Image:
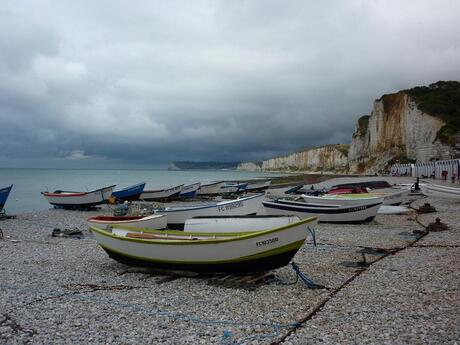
121,221
219,237
162,190
53,194
221,203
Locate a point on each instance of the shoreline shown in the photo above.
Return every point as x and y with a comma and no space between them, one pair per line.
61,290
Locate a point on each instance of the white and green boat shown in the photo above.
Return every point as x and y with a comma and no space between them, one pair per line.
250,251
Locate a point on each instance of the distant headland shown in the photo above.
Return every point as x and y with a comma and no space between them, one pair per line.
203,165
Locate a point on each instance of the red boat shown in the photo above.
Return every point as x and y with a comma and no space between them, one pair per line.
348,190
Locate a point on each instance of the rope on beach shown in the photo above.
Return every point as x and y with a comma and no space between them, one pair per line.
313,235
307,281
162,313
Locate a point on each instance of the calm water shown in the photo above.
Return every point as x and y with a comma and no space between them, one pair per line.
28,183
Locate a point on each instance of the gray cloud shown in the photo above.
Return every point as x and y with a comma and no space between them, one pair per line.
206,80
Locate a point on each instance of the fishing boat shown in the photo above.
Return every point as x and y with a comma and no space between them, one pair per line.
392,196
76,200
258,186
438,191
4,193
238,223
378,184
388,209
359,213
161,194
189,191
232,188
282,192
212,188
155,221
341,199
129,193
236,252
241,206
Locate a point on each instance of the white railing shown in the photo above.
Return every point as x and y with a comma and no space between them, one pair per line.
444,169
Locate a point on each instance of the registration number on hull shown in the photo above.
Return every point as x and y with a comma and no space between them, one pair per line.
231,206
267,242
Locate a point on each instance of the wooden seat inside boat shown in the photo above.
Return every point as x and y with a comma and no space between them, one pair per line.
163,237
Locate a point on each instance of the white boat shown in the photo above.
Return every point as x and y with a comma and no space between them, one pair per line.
438,191
212,188
325,213
282,192
75,200
155,221
390,197
238,252
341,199
242,206
229,188
258,186
388,209
161,194
189,191
237,223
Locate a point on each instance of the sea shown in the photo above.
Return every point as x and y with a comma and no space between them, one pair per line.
28,183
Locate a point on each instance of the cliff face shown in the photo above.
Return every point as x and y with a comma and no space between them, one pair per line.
249,166
325,158
396,129
415,125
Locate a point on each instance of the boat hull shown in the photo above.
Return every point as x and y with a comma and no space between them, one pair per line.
341,199
4,193
156,221
390,196
341,214
234,252
76,200
437,191
189,191
232,188
162,194
242,207
130,193
258,186
257,265
210,189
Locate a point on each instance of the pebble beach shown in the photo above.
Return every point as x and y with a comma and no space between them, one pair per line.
58,290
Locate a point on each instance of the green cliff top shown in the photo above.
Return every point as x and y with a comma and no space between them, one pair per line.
441,99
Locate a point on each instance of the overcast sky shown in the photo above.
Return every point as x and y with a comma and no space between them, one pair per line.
136,83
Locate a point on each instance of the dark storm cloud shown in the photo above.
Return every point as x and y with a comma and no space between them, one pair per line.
207,80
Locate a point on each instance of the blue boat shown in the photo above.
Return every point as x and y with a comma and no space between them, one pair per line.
189,191
4,192
129,193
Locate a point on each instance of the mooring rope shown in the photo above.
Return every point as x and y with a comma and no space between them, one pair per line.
307,281
227,335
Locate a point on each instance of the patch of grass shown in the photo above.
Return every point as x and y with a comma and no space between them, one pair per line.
441,99
363,124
